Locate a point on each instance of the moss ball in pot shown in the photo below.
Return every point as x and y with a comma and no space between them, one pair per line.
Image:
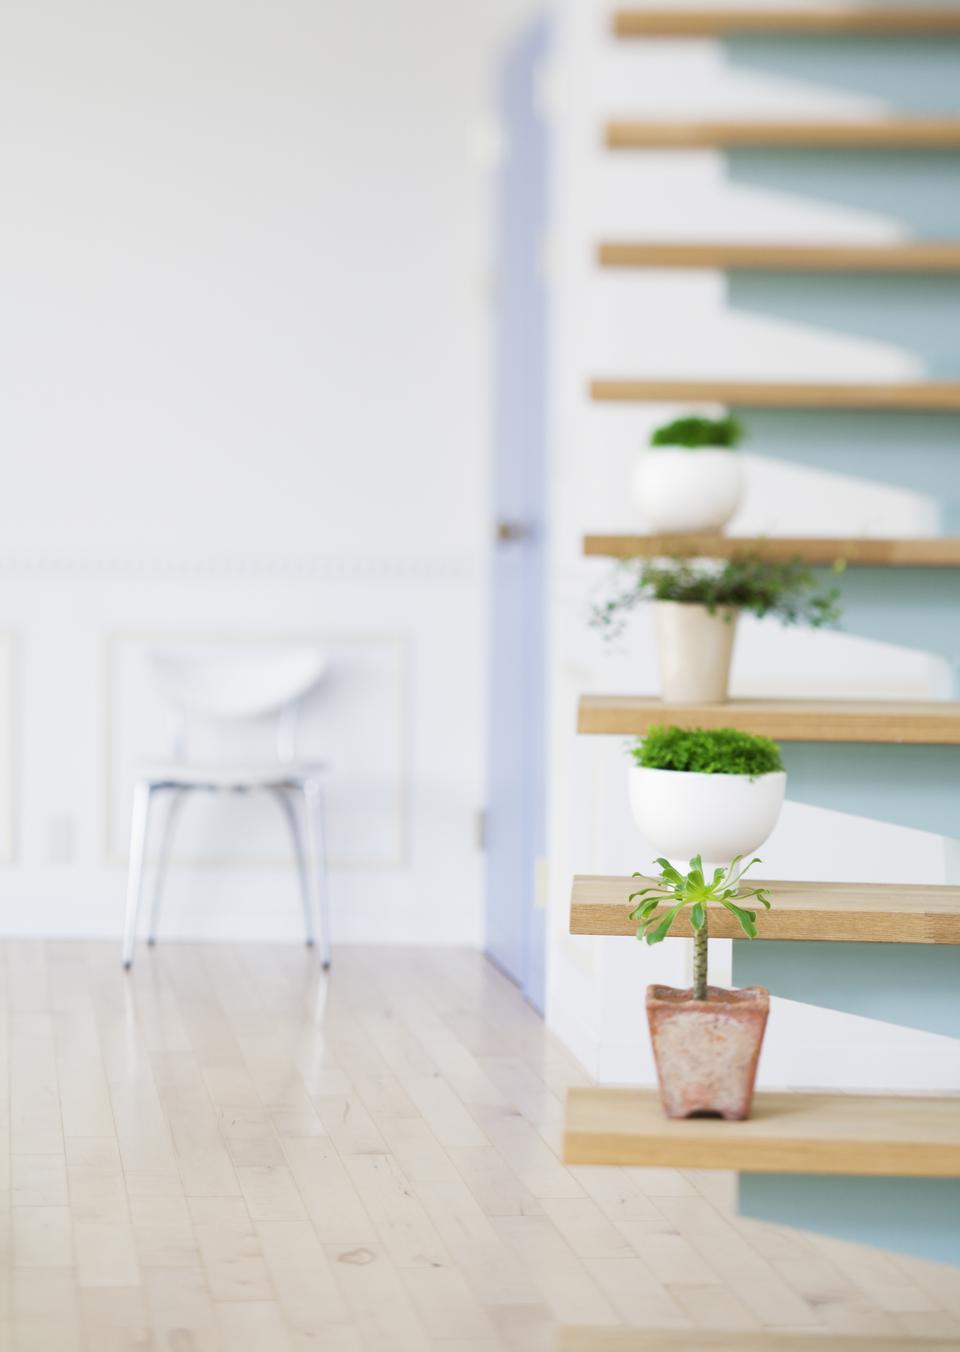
718,791
691,479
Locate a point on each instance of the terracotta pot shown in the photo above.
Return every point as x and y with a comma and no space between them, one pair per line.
707,1050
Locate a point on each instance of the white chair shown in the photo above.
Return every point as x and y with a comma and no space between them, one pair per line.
235,685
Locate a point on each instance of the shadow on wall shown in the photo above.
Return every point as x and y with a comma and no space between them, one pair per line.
867,780
918,313
917,605
905,450
920,192
916,189
910,74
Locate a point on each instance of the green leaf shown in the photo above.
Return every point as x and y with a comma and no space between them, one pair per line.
746,919
646,891
658,935
759,894
646,908
668,871
674,890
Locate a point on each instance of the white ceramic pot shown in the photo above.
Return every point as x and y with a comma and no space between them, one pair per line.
717,816
680,490
694,648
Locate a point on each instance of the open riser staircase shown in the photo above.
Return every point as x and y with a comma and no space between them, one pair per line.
884,1171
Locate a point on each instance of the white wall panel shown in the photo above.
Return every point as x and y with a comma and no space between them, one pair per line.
244,389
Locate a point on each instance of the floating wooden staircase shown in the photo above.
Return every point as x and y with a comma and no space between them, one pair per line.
891,133
929,396
882,1169
911,256
921,723
851,1134
916,552
804,20
801,912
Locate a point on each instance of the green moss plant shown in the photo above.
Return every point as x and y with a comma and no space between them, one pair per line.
707,751
694,433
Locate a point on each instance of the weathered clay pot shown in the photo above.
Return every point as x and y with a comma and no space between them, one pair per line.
707,1050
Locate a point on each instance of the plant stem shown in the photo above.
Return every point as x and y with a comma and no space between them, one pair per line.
700,962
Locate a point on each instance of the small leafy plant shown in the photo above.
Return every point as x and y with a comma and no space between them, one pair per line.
696,433
677,891
707,751
791,592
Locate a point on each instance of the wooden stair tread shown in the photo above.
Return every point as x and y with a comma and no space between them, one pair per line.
815,20
802,911
606,1339
892,133
867,1134
919,722
913,256
929,396
914,552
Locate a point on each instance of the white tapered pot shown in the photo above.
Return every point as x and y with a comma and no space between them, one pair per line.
680,490
694,650
716,816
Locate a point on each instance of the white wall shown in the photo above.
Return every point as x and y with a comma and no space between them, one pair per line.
678,324
244,279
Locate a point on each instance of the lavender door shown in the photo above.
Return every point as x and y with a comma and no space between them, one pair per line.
516,783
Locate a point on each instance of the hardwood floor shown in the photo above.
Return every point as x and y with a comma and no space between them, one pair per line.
225,1150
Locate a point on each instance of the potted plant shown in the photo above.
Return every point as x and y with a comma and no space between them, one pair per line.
691,479
696,606
706,1040
717,791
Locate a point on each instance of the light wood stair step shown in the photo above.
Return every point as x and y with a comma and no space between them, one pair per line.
919,396
912,256
889,1135
915,552
868,913
812,20
892,133
586,1339
919,722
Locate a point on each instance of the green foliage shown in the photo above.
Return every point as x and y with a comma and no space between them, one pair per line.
791,591
695,433
707,751
677,891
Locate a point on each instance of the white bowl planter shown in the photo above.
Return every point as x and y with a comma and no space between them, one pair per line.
717,816
694,648
680,490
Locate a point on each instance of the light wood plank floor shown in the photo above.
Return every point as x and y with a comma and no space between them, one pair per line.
225,1150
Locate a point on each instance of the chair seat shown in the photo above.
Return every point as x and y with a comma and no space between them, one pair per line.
258,775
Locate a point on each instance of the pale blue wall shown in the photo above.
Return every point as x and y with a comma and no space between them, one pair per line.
915,786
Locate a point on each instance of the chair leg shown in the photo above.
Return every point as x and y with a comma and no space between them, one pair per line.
142,793
283,797
163,861
316,836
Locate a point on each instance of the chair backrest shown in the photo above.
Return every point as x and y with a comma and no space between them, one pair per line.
239,682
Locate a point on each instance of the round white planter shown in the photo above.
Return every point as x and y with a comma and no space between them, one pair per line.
683,490
694,649
716,816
